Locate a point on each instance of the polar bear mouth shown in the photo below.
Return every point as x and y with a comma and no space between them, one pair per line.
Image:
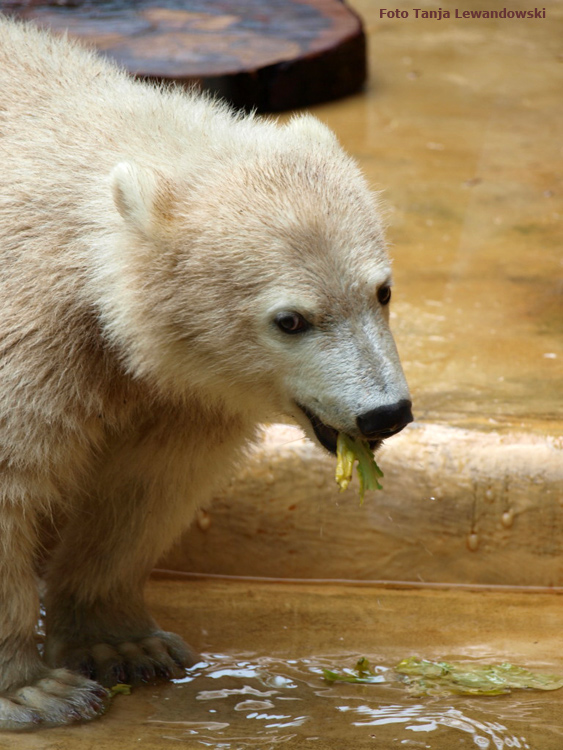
327,435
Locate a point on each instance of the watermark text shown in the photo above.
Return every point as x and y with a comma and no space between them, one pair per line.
439,14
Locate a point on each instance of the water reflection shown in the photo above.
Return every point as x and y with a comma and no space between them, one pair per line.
421,718
244,702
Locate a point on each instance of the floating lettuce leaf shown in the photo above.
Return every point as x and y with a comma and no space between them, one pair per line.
438,678
424,677
120,689
349,450
362,673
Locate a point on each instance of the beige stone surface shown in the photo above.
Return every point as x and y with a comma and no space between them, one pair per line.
461,128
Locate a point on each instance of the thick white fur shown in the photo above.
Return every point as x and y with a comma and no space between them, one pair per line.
147,238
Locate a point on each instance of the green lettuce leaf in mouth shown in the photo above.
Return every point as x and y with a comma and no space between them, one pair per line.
348,451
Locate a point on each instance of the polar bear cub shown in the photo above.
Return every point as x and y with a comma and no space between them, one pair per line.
172,274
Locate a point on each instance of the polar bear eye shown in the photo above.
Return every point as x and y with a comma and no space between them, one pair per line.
384,294
291,322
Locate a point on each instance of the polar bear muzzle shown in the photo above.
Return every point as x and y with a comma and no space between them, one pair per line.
374,425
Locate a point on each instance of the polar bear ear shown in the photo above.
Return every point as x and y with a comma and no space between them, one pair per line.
140,195
313,129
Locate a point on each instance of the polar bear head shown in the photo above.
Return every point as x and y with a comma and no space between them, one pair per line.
255,273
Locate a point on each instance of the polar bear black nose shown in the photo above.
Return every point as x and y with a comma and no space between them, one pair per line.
385,420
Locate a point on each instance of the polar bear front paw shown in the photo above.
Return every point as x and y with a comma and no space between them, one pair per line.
59,697
159,656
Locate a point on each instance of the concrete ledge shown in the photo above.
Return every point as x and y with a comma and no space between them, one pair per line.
457,506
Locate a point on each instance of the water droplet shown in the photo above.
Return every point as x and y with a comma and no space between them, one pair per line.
203,520
472,541
507,518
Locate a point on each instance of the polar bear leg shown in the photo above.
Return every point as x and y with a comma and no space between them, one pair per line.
31,694
97,622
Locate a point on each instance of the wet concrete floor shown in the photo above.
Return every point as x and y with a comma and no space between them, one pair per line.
259,683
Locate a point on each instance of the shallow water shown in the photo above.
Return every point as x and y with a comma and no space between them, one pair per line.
259,685
250,701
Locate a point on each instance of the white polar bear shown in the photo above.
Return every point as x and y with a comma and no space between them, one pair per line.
172,274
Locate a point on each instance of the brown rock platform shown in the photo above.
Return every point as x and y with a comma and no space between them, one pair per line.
270,56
